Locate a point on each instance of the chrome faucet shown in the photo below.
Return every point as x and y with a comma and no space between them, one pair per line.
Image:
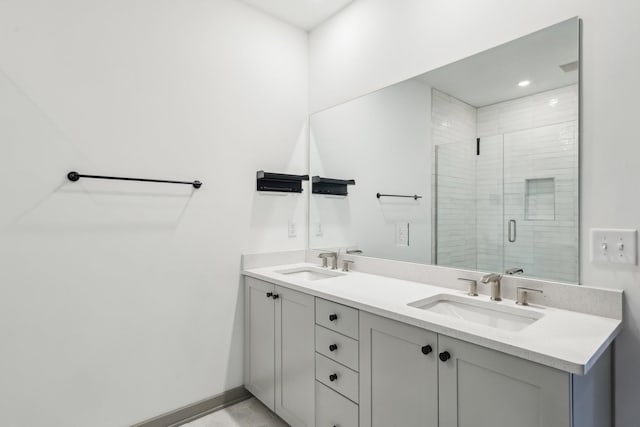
514,270
494,280
334,259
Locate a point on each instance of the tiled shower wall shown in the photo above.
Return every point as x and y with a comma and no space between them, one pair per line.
453,125
527,171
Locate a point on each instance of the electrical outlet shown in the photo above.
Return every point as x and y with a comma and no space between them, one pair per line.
293,232
402,234
613,246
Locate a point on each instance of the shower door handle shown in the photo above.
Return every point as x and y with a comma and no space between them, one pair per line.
513,228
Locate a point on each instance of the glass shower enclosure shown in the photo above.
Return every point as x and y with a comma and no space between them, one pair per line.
509,201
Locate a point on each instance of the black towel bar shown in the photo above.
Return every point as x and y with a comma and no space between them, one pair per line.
414,197
74,176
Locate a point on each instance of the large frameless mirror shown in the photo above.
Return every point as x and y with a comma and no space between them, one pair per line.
473,165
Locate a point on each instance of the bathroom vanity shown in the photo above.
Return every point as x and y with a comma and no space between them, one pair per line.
327,348
473,168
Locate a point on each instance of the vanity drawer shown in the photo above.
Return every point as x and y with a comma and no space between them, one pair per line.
336,376
338,347
333,409
337,317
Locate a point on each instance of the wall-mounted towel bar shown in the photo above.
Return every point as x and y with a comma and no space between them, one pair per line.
414,197
74,176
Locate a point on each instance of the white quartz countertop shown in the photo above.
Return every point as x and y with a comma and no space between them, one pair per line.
562,339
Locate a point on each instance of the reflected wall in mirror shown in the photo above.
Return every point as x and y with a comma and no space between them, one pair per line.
489,144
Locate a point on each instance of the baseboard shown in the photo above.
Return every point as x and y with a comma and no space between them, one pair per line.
196,410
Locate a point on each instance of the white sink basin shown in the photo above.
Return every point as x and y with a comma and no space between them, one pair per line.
310,273
480,312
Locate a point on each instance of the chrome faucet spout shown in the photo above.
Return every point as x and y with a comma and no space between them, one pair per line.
491,277
494,280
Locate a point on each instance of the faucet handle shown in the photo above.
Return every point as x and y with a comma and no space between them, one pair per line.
522,293
345,264
323,256
334,259
473,286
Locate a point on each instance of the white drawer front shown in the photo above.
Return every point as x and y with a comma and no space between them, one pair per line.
337,347
337,377
337,317
334,410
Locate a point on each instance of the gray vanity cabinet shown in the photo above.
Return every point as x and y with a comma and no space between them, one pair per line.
280,351
479,387
398,374
459,384
259,341
388,373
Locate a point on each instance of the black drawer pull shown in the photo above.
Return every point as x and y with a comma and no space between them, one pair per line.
333,377
269,294
444,356
333,347
426,349
275,296
333,317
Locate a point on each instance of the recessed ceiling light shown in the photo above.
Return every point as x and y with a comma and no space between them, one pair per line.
524,83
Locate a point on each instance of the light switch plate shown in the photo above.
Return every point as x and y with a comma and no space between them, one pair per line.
292,229
614,246
402,234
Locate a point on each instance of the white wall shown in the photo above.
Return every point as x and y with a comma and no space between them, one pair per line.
120,301
381,140
374,43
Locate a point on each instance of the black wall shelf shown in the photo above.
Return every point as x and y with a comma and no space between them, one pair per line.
336,187
279,182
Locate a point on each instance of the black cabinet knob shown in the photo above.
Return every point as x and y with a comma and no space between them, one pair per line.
333,377
269,294
426,349
275,296
333,347
333,317
444,356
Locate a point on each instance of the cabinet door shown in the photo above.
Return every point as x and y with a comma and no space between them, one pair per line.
398,381
259,339
295,357
480,387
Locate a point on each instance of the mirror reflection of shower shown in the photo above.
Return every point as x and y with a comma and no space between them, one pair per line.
506,184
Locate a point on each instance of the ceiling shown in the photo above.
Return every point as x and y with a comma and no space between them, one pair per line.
305,14
492,76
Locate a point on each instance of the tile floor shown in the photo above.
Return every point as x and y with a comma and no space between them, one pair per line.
248,413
